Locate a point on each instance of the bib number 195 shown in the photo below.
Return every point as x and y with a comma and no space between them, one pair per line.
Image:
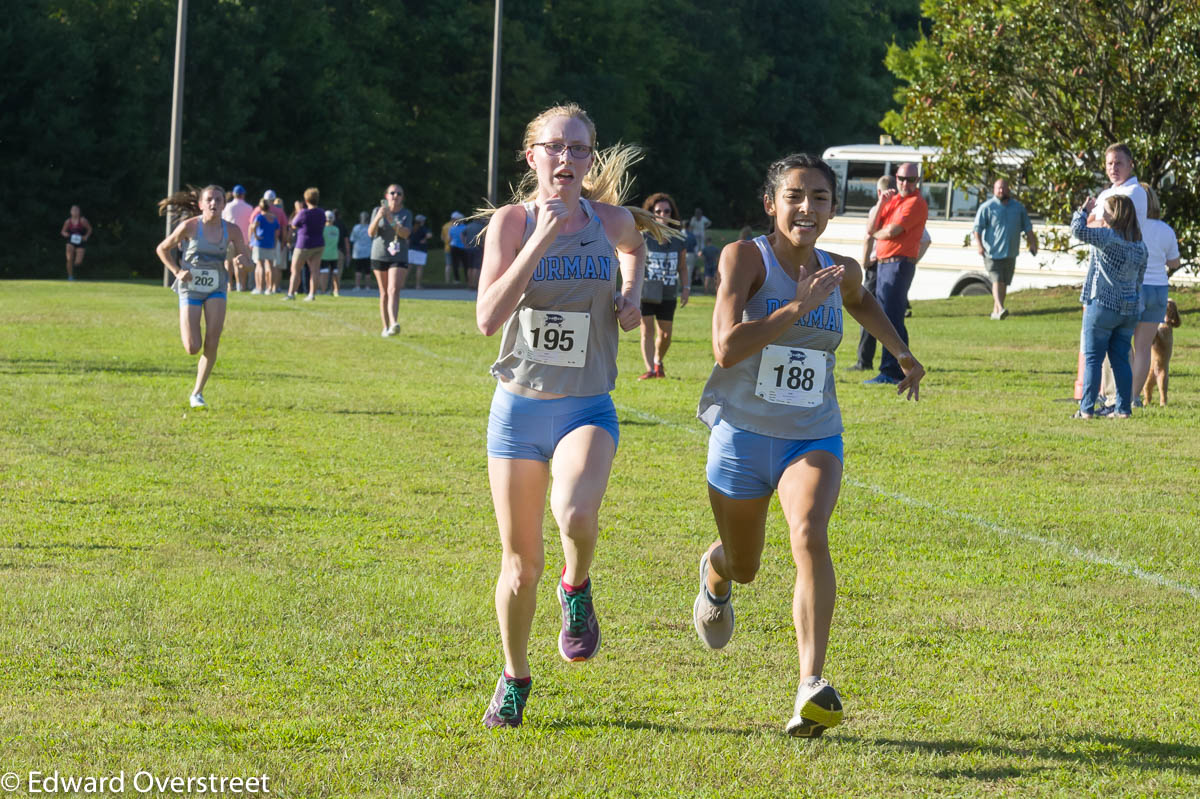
558,338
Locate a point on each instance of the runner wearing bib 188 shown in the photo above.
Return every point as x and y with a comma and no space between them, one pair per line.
549,282
201,279
772,407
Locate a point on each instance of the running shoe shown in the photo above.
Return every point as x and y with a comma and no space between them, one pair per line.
818,707
395,329
309,298
387,331
658,370
881,380
508,703
256,291
580,636
197,400
712,617
290,297
649,374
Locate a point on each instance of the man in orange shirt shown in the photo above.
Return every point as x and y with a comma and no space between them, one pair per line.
897,230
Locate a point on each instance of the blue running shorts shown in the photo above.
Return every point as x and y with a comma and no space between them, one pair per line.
522,428
185,299
745,465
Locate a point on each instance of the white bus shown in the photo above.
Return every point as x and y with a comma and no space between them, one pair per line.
951,266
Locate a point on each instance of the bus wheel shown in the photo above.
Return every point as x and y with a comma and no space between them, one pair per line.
972,287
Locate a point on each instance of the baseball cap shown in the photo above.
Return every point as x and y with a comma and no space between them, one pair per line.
269,194
329,216
456,215
239,189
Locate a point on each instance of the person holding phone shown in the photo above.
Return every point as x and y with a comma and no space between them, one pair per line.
389,229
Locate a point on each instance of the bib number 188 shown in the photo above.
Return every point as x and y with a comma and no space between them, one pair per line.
798,377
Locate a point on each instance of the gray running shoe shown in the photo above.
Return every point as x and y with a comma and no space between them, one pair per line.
508,703
580,636
713,617
818,707
197,400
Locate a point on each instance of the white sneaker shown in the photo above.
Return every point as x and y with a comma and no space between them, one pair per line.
396,329
818,707
387,331
257,291
309,298
713,620
197,400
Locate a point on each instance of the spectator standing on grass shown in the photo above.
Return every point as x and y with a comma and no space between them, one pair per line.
275,206
999,223
562,274
866,342
360,253
343,244
771,403
1118,166
666,276
238,211
201,278
389,228
76,230
472,237
309,223
712,254
698,226
418,249
1111,297
898,229
1162,258
329,255
264,238
691,248
458,252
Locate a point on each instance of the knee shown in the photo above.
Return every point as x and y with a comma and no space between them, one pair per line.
521,572
664,336
810,538
741,569
576,520
191,346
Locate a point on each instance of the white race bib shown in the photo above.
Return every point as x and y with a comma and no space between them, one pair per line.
204,281
791,376
76,238
558,338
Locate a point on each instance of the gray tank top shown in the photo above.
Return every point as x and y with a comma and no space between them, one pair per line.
736,394
201,254
570,294
385,234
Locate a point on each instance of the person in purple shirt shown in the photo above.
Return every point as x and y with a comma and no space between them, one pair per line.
310,243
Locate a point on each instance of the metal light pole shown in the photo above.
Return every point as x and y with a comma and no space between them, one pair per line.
176,117
494,128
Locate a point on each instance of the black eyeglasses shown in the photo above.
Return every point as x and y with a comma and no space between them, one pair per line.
555,148
397,193
907,179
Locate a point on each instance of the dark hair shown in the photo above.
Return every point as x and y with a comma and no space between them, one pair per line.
186,203
658,197
777,170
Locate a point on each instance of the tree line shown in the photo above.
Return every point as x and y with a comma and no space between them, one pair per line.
348,95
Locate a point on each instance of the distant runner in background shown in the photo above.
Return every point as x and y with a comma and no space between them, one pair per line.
76,230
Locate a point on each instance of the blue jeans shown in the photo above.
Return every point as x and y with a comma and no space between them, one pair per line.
1106,332
892,281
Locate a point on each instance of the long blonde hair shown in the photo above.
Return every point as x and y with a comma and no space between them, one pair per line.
608,180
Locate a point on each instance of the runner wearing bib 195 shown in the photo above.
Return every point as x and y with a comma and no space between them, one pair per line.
201,279
772,407
550,282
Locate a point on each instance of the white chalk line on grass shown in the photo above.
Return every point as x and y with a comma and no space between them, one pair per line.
1069,550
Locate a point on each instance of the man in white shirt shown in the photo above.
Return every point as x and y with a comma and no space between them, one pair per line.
699,224
238,211
1118,165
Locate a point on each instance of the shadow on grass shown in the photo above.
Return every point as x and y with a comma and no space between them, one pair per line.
1112,751
37,366
78,546
649,726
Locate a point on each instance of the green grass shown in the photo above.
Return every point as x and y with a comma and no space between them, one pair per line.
297,582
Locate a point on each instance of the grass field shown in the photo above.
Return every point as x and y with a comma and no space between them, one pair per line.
297,582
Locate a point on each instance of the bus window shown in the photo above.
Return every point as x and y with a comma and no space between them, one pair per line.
860,185
839,170
964,201
935,196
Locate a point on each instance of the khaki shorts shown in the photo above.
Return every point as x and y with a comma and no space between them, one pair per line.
1000,269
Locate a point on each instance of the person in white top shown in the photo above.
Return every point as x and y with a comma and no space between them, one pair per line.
1118,165
238,211
1162,250
699,224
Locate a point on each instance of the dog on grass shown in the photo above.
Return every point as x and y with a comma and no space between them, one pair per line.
1160,355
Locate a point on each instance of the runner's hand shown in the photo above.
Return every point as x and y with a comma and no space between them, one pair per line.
913,372
814,289
629,315
183,277
553,215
